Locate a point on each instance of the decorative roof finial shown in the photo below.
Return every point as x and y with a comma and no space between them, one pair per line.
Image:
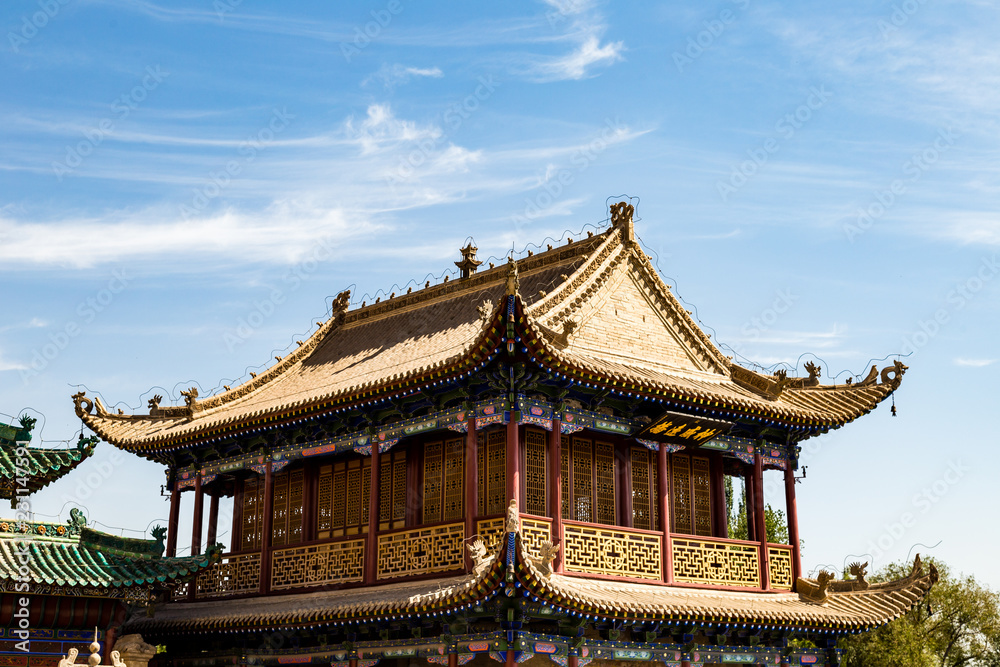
621,216
469,263
95,652
513,282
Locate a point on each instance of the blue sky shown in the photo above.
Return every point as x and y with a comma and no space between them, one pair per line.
184,187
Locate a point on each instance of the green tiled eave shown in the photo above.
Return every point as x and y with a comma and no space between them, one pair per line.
41,467
81,559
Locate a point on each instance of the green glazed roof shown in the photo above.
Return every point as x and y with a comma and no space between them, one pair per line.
74,556
40,467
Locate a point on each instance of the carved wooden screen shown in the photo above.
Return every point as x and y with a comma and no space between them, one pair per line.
492,461
444,480
392,490
342,505
691,495
564,456
589,482
253,508
286,510
643,494
534,472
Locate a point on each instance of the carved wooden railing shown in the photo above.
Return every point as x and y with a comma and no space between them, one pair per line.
234,575
318,564
779,566
607,550
421,551
717,562
534,531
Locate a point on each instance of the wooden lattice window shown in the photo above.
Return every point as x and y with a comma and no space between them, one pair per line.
392,490
342,504
589,482
564,458
691,495
492,455
444,481
252,514
286,510
643,494
534,472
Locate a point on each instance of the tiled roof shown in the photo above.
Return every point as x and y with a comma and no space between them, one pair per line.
38,467
74,556
844,611
596,308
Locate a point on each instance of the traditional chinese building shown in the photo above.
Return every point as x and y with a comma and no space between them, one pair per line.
22,473
527,462
58,582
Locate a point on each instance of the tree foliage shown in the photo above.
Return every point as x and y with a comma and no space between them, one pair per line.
956,625
774,520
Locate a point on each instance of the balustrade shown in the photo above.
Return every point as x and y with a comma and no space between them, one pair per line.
234,575
421,551
611,551
779,563
715,562
318,564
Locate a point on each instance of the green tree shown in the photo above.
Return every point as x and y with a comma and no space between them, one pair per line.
774,520
956,625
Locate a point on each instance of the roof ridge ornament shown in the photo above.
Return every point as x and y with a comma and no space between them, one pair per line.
621,216
513,281
469,263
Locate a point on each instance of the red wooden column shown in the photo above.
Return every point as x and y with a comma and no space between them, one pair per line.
371,544
267,526
213,520
574,661
750,504
513,456
173,520
758,483
663,509
452,660
471,487
199,498
793,521
554,485
510,657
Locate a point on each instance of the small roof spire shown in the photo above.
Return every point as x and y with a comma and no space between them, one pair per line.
469,263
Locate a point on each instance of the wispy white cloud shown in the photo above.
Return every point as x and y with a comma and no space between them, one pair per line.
381,128
974,363
10,365
578,64
580,24
391,76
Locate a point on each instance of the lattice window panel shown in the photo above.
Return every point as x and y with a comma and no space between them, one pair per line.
421,551
680,470
605,489
234,575
534,472
296,480
318,565
392,490
618,552
279,509
655,492
715,562
491,531
481,472
252,514
642,514
583,480
701,494
779,565
565,499
534,532
343,498
454,480
433,468
493,472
